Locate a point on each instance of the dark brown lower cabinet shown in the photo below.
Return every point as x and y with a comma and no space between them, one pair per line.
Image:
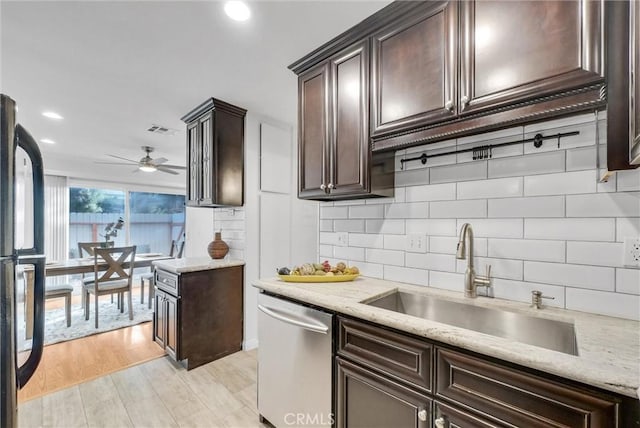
387,378
369,400
198,316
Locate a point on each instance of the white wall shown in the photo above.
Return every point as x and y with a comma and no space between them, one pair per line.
540,217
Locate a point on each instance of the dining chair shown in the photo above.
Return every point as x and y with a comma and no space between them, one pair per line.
54,291
175,252
85,249
117,279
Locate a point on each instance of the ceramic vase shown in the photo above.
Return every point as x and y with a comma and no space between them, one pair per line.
218,248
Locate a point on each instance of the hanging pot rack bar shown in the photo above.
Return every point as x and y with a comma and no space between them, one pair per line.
485,151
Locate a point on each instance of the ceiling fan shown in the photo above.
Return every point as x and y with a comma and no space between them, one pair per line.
147,164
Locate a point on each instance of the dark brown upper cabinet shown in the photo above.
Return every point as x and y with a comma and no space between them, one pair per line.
215,154
334,153
414,70
634,118
515,51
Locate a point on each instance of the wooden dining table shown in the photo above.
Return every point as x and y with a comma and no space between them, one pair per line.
73,267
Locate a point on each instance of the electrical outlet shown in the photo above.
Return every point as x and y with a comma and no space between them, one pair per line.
632,252
416,243
343,239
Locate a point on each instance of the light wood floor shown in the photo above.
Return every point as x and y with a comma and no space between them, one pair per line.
158,393
75,361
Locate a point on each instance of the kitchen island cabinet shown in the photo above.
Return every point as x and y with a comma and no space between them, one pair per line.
198,315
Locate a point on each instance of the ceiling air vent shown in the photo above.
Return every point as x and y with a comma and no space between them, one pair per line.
163,130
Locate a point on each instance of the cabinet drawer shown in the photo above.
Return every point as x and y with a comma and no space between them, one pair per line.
402,357
167,281
517,398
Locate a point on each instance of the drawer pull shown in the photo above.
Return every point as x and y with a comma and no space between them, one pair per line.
439,423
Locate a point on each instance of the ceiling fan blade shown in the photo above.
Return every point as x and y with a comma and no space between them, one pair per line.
119,157
167,170
111,163
135,171
174,166
159,161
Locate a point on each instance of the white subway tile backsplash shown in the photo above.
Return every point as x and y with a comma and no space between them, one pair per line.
525,249
595,253
446,280
326,225
366,211
407,210
431,261
366,240
581,158
496,188
628,281
539,206
570,229
627,227
412,177
408,275
395,242
455,173
541,219
560,184
349,253
437,227
500,268
494,228
455,209
385,226
593,277
431,192
387,257
520,291
628,180
348,226
625,204
449,244
598,302
539,163
331,212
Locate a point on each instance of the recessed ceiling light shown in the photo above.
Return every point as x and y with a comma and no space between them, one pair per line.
47,141
52,115
237,10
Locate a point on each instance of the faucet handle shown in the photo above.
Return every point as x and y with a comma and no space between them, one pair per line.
484,281
488,268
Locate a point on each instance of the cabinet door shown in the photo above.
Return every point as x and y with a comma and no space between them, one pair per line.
349,149
634,112
514,51
313,120
415,70
194,149
171,340
450,417
369,400
207,159
159,318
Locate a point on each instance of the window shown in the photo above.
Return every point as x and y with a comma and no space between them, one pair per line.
151,220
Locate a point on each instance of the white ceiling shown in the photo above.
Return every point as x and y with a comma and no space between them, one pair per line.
112,68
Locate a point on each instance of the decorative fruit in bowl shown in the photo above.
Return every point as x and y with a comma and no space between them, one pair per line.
320,269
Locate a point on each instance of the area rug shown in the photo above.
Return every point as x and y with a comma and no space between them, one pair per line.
110,318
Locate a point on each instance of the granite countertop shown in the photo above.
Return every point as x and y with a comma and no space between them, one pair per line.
194,264
608,348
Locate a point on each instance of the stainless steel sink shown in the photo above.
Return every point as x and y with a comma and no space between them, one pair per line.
550,334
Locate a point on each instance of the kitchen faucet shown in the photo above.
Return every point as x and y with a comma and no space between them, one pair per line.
471,281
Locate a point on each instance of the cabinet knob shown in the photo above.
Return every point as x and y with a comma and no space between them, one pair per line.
422,415
322,186
464,100
439,423
331,186
449,105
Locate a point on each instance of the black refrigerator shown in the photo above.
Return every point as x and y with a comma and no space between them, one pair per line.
16,143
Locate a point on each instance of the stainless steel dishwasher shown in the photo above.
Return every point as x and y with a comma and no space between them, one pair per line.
294,364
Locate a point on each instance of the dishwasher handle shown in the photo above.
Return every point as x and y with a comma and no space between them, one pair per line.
316,328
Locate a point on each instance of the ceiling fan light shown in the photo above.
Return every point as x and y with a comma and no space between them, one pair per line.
147,168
